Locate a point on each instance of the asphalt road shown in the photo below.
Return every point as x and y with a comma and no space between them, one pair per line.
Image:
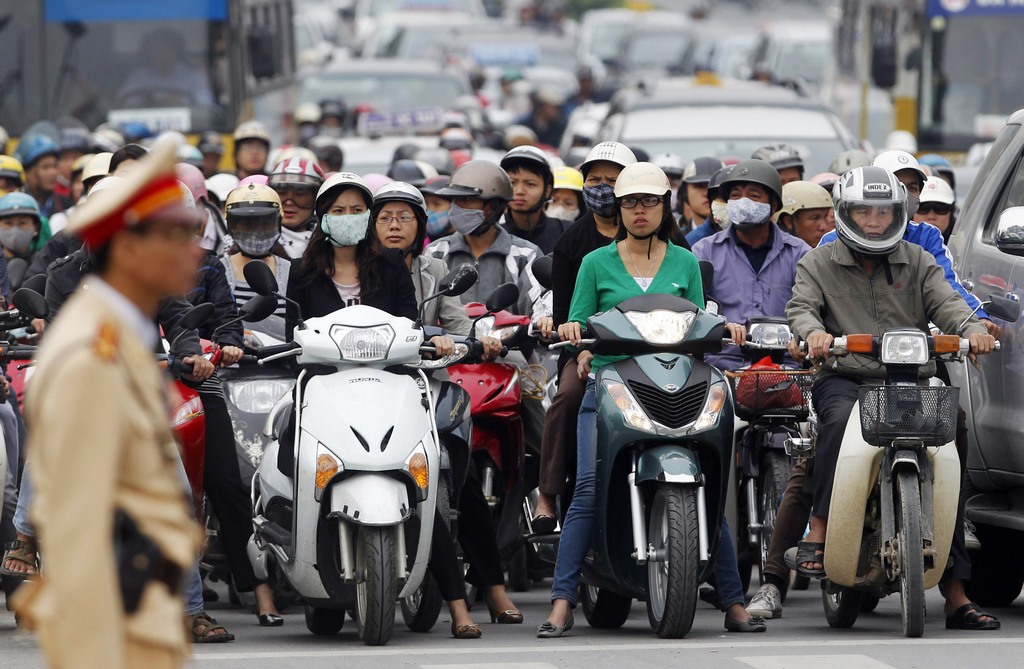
800,639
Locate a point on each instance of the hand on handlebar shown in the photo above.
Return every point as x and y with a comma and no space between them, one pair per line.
981,344
545,325
39,324
737,333
492,347
202,368
818,345
442,346
570,332
795,352
229,355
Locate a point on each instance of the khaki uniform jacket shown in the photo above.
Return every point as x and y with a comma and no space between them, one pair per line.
99,440
834,294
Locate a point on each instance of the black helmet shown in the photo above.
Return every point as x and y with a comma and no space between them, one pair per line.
405,151
431,186
700,170
716,181
780,156
757,172
413,172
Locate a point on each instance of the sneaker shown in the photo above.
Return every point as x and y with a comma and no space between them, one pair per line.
767,603
971,539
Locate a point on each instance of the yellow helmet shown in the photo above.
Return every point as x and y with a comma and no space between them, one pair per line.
10,168
568,178
797,195
253,195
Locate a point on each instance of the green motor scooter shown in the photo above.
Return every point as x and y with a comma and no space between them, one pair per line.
664,447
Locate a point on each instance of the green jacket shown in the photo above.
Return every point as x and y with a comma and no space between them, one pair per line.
834,294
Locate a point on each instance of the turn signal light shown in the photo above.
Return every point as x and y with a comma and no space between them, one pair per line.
418,469
946,343
326,467
860,343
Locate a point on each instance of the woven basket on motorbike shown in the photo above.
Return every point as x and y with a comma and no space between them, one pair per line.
771,392
924,413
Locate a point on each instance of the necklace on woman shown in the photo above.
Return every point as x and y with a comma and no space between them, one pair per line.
643,279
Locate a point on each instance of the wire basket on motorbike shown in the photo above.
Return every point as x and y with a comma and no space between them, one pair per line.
891,413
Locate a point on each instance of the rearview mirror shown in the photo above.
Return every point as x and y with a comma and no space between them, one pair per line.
16,270
260,278
541,269
29,302
36,283
1003,308
1010,231
197,316
503,297
459,280
259,308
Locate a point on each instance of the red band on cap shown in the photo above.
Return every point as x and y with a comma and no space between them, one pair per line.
156,196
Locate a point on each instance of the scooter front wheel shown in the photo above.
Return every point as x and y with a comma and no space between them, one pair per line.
673,569
377,589
842,605
911,553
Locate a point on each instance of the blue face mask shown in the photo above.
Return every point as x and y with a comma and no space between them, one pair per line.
345,229
437,224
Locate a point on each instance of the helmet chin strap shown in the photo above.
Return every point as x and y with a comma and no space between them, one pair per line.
649,237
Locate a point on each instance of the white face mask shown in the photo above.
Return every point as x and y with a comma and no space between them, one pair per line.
346,229
558,211
720,214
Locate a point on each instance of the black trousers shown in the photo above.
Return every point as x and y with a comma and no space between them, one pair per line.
478,537
228,494
444,561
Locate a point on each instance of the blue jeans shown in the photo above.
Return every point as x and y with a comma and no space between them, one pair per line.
578,529
22,524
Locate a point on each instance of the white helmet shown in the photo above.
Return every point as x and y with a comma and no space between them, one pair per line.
612,152
937,190
671,164
399,191
871,210
897,160
901,140
337,183
641,179
221,185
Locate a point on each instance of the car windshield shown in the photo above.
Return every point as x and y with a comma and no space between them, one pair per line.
381,7
605,39
657,49
383,91
798,61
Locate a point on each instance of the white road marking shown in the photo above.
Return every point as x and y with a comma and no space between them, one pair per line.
568,646
817,661
516,665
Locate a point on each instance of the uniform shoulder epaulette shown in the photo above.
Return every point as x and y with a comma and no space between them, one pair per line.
106,343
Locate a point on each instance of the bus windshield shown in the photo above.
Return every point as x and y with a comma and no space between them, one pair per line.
971,77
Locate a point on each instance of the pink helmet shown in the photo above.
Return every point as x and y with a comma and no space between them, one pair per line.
193,178
258,179
373,181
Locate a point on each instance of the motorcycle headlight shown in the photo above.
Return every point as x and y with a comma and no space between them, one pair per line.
662,326
327,467
632,412
258,395
363,344
712,409
904,348
770,335
485,328
419,469
461,351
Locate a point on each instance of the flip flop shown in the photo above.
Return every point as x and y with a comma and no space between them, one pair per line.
24,552
969,617
810,551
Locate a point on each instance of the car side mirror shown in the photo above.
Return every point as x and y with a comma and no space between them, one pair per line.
29,302
459,280
195,317
1003,308
541,269
1010,231
258,308
260,278
503,297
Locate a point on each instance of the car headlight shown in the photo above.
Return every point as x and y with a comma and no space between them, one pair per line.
258,395
485,328
418,467
770,335
632,412
904,348
461,351
327,467
363,344
662,326
712,409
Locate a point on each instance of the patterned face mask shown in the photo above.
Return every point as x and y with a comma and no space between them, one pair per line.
346,229
745,213
437,224
600,199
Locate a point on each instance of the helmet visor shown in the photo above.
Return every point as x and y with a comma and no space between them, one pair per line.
303,195
876,225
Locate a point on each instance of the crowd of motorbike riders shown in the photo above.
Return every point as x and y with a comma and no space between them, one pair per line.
619,225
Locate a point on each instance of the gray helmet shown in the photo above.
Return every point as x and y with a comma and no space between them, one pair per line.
757,172
700,170
870,190
531,156
479,178
848,160
780,156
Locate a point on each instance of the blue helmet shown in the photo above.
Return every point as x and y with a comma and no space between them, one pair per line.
33,147
19,204
933,160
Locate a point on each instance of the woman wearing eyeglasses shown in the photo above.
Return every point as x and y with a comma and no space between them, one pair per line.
937,206
642,260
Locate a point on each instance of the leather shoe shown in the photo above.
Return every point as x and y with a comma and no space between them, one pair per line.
751,624
270,620
544,524
548,630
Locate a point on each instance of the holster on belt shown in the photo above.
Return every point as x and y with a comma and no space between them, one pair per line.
139,561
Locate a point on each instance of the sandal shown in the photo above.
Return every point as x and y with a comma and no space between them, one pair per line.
970,617
810,551
207,630
24,552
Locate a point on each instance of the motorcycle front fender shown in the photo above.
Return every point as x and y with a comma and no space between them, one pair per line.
671,463
370,499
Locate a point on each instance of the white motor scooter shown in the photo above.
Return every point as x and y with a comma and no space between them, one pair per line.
366,460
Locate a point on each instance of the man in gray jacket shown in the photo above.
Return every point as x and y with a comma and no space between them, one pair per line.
867,282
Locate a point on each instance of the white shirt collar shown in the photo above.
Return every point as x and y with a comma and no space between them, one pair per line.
141,324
